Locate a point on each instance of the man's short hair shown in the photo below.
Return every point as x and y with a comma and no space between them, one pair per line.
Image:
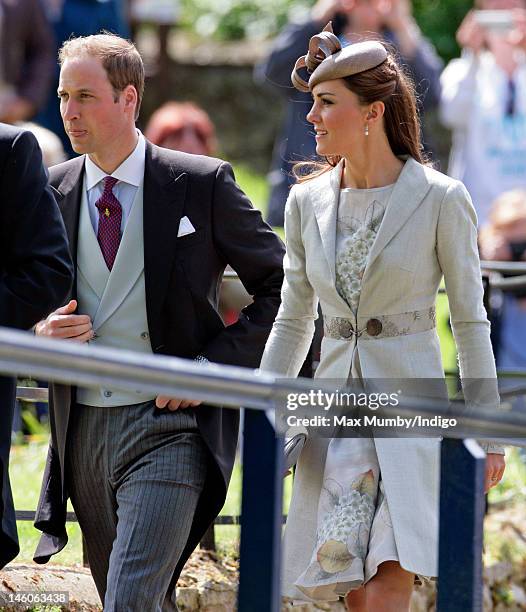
119,57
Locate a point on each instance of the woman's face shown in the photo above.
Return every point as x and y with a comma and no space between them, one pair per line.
338,119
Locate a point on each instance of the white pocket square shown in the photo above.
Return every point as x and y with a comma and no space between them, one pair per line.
185,227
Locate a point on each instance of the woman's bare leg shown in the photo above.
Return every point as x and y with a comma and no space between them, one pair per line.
355,600
390,589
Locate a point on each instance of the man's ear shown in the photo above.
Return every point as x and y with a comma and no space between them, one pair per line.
130,97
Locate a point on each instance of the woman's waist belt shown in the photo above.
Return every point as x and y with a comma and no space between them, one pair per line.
383,326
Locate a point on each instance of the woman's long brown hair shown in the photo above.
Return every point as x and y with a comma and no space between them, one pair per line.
385,83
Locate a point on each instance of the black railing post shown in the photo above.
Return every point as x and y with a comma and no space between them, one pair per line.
261,516
461,526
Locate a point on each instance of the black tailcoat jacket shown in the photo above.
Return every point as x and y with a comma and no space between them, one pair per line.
35,277
182,279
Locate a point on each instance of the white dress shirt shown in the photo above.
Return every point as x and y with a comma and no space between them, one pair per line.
489,146
130,175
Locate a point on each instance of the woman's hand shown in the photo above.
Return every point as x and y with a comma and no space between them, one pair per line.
495,465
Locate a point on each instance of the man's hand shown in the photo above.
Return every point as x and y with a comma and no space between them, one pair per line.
495,465
63,323
173,403
517,36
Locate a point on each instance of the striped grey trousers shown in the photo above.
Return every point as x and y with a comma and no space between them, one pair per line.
134,476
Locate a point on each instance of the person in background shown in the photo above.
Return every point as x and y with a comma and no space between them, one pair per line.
353,20
484,104
182,126
503,238
52,150
26,59
36,274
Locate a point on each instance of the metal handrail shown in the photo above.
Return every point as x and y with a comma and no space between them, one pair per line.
504,267
496,281
79,364
510,283
32,394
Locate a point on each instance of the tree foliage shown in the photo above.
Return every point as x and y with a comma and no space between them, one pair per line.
439,20
261,19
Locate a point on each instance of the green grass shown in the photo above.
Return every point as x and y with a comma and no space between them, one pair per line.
254,185
256,188
26,469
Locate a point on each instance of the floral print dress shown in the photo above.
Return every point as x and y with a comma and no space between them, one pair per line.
360,213
354,532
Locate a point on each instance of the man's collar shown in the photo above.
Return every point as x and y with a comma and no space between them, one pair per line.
131,170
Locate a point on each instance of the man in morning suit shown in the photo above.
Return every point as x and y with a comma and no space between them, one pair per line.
35,276
151,231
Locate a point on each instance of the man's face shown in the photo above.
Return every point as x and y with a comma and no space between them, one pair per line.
94,118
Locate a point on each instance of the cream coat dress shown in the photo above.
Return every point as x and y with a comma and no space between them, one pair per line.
428,232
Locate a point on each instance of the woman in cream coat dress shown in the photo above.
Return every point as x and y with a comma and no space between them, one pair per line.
364,115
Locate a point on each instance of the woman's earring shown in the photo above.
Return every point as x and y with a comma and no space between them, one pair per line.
367,129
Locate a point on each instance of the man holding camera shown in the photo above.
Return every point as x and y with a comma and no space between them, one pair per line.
483,94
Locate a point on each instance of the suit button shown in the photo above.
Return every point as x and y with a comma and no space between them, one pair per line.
374,327
108,393
346,329
145,335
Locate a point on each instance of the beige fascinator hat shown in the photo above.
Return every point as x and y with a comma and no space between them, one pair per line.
327,60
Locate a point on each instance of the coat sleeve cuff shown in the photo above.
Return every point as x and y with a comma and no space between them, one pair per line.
491,448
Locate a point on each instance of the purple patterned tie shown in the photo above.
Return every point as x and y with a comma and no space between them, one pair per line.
110,216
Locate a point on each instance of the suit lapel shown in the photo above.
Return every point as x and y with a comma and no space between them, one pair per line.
164,197
408,192
324,194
